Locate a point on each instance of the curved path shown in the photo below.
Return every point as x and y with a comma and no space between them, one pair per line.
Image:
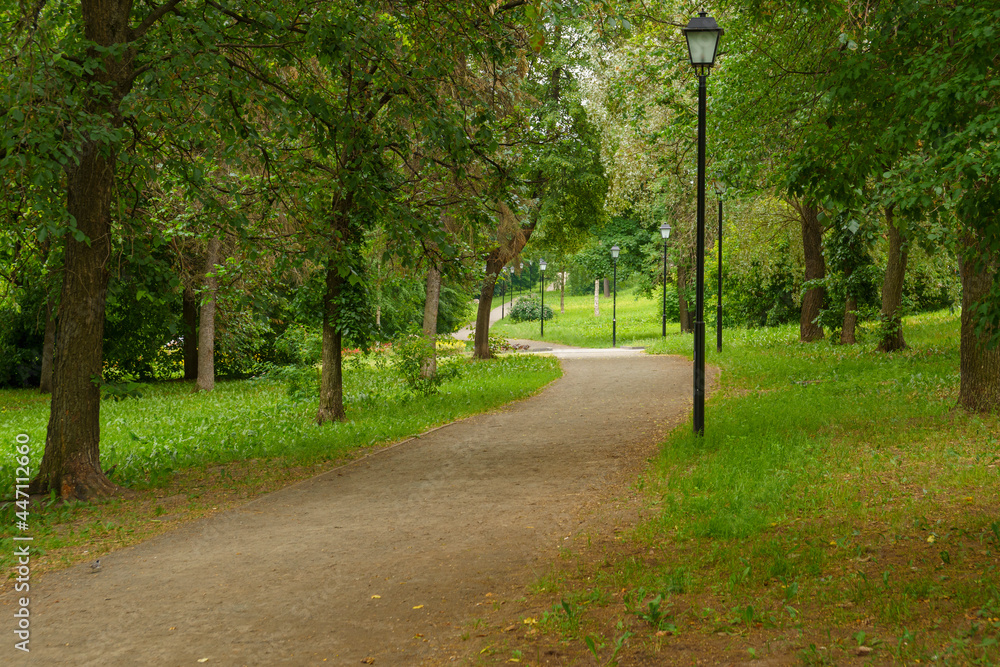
387,558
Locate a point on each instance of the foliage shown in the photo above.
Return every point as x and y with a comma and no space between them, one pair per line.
411,353
529,309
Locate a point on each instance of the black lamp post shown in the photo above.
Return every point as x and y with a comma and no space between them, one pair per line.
702,34
665,233
614,301
541,266
720,190
503,290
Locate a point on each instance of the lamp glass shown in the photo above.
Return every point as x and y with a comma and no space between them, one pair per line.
665,230
614,251
702,34
542,264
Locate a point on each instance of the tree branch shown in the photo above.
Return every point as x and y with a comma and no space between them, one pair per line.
153,17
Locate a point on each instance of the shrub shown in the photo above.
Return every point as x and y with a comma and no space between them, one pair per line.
411,353
529,309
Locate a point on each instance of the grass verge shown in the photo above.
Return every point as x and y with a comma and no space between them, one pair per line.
188,455
839,508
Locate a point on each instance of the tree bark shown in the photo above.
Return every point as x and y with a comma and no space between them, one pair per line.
892,289
331,387
189,311
48,349
979,362
607,288
433,297
206,320
562,290
686,316
481,345
812,245
850,322
71,462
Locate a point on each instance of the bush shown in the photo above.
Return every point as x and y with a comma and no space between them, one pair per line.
411,352
529,309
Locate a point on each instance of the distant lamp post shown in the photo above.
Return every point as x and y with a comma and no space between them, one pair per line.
703,35
720,190
614,302
503,290
541,265
665,233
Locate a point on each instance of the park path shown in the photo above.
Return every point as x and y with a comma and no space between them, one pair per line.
389,558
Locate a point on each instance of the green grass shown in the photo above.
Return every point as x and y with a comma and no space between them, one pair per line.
185,456
837,490
639,321
171,428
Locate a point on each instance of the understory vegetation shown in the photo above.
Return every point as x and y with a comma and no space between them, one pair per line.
839,505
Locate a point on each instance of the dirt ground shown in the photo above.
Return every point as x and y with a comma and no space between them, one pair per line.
390,560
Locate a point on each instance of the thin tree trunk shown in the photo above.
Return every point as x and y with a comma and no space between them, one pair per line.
48,349
481,345
429,367
331,388
597,298
607,288
812,245
685,315
189,311
892,289
562,290
979,362
847,336
206,321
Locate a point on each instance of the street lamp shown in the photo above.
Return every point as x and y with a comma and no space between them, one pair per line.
702,34
614,302
541,265
720,190
503,290
665,233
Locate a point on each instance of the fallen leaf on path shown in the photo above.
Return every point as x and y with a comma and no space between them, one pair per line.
419,606
202,659
368,661
376,597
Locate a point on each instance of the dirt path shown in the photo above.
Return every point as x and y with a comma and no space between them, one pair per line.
390,557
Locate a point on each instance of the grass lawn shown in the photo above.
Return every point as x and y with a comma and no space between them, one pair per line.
839,506
187,455
640,321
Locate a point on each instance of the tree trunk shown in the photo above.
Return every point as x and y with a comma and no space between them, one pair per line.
979,362
206,321
429,367
850,322
331,387
481,345
686,316
562,291
71,463
48,349
607,288
597,298
892,289
812,246
189,310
